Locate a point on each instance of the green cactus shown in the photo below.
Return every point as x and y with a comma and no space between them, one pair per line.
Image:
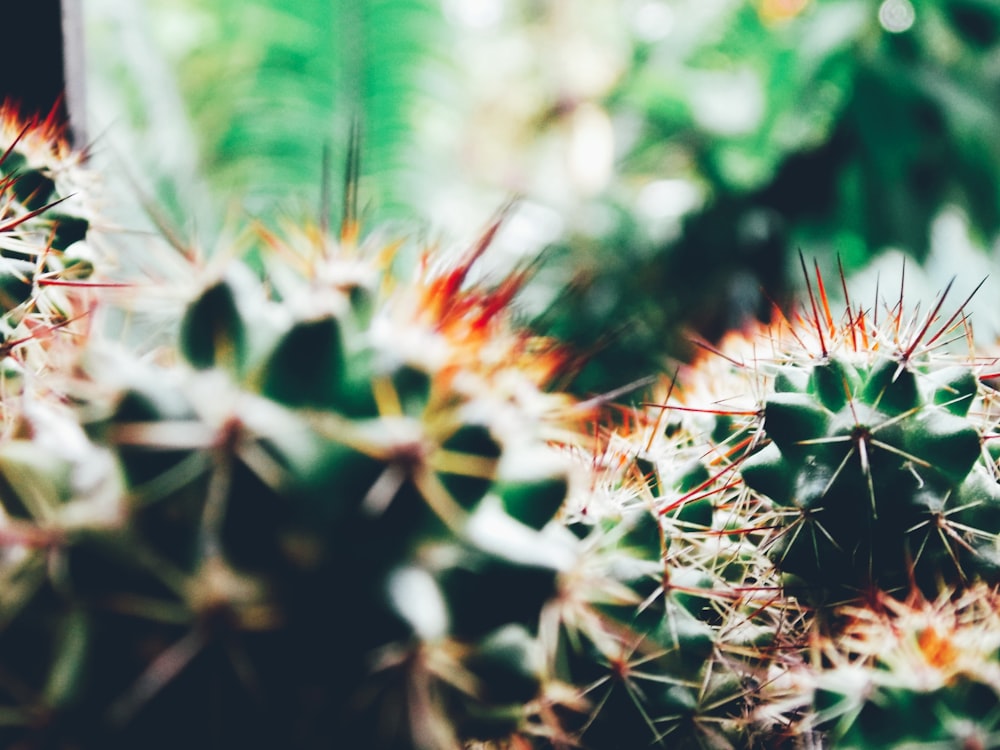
864,454
795,467
307,536
659,624
46,263
907,674
343,506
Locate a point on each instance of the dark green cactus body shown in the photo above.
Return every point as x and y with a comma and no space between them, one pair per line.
960,715
660,669
864,465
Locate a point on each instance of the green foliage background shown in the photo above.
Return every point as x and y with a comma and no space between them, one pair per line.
762,127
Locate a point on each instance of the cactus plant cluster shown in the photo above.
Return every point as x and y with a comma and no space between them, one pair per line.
318,519
345,504
844,468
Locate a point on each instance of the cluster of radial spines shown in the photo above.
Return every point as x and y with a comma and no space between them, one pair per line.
43,179
656,469
46,265
709,417
717,402
478,320
44,138
814,334
897,672
927,642
435,311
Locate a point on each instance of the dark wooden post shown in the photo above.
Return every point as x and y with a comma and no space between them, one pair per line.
43,61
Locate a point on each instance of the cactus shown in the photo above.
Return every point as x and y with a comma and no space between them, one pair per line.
913,673
661,624
324,519
865,457
46,262
804,474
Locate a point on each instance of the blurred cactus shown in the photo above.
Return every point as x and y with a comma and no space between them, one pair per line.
907,673
322,519
46,263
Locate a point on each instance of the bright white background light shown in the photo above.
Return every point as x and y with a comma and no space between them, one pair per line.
896,16
474,14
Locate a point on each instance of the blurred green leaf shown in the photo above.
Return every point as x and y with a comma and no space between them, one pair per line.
272,85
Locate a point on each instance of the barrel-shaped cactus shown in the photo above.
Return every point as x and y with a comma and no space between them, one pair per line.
324,519
800,467
864,451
